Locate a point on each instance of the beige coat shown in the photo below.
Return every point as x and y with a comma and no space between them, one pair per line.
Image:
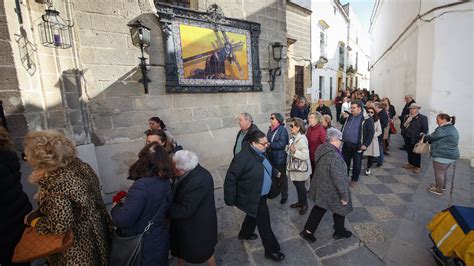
373,149
302,152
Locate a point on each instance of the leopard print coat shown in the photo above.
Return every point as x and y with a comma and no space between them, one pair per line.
70,198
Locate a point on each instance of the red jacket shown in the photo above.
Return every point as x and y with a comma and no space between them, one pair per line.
316,136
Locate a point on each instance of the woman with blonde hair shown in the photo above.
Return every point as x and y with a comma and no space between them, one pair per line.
326,121
14,203
69,199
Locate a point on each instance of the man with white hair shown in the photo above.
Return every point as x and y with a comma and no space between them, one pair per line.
246,128
193,228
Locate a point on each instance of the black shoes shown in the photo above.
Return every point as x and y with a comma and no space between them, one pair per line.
283,200
251,237
308,237
296,205
344,234
303,209
277,256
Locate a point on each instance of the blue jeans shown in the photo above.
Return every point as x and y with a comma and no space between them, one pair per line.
351,153
381,148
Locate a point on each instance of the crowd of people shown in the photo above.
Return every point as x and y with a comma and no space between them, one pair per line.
171,198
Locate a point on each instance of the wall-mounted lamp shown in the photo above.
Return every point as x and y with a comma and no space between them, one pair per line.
54,31
277,54
141,38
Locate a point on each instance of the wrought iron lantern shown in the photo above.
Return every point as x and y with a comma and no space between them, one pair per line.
54,31
277,53
141,38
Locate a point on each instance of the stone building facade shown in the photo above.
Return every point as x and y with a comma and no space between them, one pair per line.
298,25
91,91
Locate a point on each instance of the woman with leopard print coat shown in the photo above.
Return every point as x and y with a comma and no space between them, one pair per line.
69,198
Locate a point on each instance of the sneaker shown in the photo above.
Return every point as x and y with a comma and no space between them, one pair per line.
434,186
344,234
435,191
308,237
367,171
417,170
409,166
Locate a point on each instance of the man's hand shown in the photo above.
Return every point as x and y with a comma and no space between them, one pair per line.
344,203
363,148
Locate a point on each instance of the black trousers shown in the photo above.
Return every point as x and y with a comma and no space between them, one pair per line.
301,191
338,112
282,182
317,214
350,152
262,222
413,158
370,161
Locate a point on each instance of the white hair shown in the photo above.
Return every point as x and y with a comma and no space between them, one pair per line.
247,116
333,133
185,160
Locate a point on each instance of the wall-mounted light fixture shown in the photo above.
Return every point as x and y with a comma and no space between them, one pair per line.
277,54
141,38
54,31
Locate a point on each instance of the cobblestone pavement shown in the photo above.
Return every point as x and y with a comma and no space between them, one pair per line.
391,210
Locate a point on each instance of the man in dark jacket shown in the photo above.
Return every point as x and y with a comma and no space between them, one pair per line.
14,203
300,110
383,117
247,185
357,134
278,139
246,128
193,228
415,123
323,109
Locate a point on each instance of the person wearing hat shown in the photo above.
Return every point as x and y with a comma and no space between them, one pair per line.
414,124
278,139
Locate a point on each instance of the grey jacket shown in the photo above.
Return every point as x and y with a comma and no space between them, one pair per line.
330,182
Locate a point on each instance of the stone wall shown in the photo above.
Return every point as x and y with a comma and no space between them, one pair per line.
298,25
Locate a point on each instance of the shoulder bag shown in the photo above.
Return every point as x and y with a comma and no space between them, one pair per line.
421,147
294,164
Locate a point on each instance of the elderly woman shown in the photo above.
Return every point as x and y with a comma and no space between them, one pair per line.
330,188
373,150
14,203
278,137
247,185
413,125
298,149
326,121
69,199
147,201
444,150
192,213
316,135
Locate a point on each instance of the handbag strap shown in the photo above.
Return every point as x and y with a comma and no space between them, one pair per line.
150,222
274,134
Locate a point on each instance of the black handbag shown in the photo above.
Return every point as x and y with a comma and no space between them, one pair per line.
127,251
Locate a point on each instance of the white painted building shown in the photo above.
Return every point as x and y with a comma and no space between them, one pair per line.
329,41
429,57
357,69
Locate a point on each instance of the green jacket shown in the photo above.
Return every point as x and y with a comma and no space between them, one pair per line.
444,142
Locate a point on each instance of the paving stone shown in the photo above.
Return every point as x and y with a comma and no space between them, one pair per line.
231,251
381,214
368,232
390,229
297,252
379,248
391,199
404,253
371,179
406,179
359,215
361,189
379,189
387,179
406,197
369,200
400,188
337,246
361,256
399,211
355,201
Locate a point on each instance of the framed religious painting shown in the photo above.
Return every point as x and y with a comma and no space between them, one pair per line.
208,52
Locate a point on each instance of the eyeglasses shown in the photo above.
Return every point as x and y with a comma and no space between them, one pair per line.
370,112
292,126
272,118
264,144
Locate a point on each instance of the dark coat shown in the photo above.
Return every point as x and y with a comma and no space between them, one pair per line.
245,141
383,117
405,111
244,180
391,111
444,142
330,183
14,204
146,197
278,140
324,110
193,217
418,125
366,132
301,113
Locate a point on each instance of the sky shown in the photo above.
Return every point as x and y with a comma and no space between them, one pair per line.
363,9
